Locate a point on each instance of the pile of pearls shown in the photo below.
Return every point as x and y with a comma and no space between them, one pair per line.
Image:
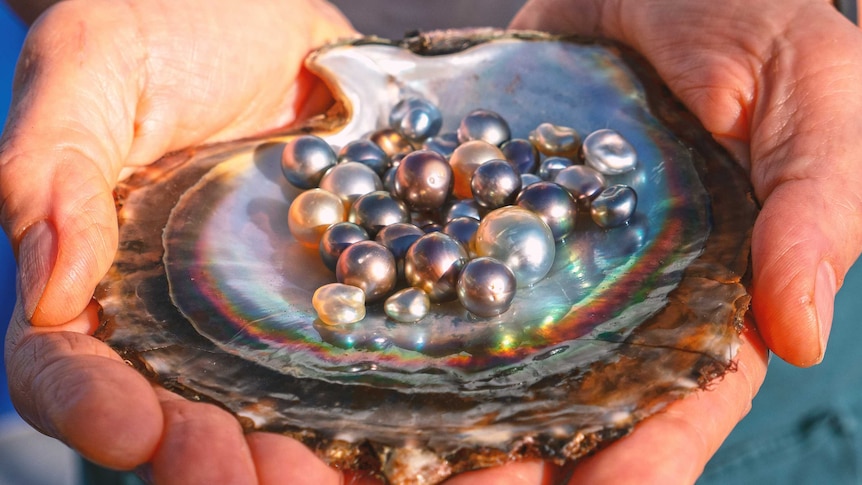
471,215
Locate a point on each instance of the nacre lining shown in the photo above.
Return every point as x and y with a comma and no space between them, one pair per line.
627,320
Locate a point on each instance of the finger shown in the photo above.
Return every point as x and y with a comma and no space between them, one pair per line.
528,472
74,388
202,445
280,459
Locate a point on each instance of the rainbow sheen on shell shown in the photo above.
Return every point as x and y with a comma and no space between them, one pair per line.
211,296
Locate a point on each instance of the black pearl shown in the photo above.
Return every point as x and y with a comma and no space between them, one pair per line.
495,184
556,141
462,229
462,208
376,210
551,166
528,179
433,263
553,204
367,153
609,153
584,183
349,181
399,237
305,159
423,180
416,118
485,125
614,206
335,240
486,287
444,143
522,154
367,265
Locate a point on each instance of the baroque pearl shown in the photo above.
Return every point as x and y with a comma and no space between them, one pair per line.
520,239
485,125
433,263
367,153
376,210
311,213
584,183
486,287
367,265
339,304
556,141
614,206
553,204
336,238
349,181
495,184
423,180
305,159
609,153
464,161
416,118
408,305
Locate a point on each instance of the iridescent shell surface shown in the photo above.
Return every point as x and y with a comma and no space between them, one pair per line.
211,296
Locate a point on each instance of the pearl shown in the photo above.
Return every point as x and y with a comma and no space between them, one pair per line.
553,204
408,305
391,142
367,265
305,159
311,213
462,208
551,166
423,180
336,238
462,229
444,143
614,206
349,181
522,154
416,118
338,304
376,210
399,237
609,153
432,264
495,184
584,183
464,161
528,179
367,153
485,125
518,238
556,141
486,287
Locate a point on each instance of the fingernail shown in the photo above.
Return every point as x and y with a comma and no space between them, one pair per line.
824,299
36,256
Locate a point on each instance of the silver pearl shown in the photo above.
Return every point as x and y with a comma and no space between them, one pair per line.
462,229
311,212
556,141
485,125
338,304
416,118
399,237
521,154
376,210
551,166
407,306
391,142
433,263
518,238
528,179
495,184
350,180
486,287
335,240
367,265
609,153
553,204
305,159
367,153
584,183
464,161
444,143
462,208
423,180
614,206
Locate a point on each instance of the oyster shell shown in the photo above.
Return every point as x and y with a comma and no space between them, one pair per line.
211,297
